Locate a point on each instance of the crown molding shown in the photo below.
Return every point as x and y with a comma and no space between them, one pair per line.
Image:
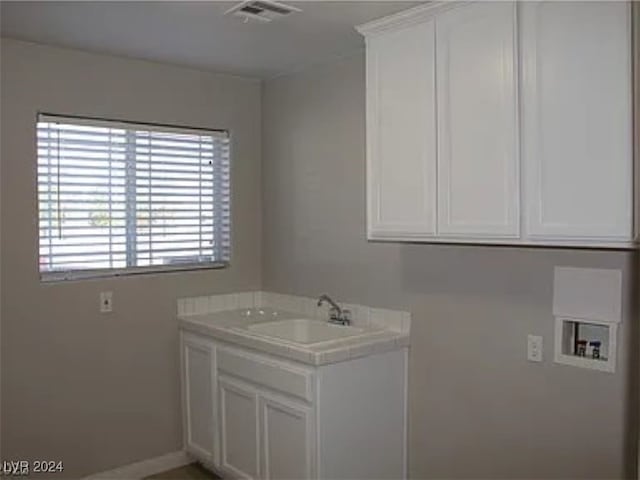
406,18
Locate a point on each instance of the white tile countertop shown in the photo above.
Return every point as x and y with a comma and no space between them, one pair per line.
226,317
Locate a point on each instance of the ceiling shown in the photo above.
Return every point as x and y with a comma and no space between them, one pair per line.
197,34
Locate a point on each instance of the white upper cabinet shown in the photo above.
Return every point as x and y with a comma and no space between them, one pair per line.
577,130
478,158
501,122
401,150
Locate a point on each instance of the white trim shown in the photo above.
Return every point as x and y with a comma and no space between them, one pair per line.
67,275
407,236
407,18
635,122
144,468
405,406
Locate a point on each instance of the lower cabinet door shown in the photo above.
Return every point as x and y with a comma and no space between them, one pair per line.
287,439
198,397
239,438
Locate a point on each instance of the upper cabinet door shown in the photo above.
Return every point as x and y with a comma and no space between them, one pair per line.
478,158
401,163
577,139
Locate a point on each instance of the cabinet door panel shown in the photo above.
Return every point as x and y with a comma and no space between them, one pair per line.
577,119
287,438
199,384
401,132
478,173
239,429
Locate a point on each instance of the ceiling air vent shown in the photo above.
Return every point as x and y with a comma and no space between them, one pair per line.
261,10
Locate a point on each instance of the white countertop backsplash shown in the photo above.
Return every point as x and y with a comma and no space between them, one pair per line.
219,316
362,316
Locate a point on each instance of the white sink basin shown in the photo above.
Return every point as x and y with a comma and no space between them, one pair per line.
302,330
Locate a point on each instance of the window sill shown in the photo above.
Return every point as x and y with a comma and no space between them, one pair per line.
50,277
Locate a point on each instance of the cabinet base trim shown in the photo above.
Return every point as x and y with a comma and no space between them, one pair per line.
507,242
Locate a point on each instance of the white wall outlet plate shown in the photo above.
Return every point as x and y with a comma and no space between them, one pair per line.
534,348
106,302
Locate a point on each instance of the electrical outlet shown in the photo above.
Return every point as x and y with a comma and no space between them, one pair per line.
106,302
534,348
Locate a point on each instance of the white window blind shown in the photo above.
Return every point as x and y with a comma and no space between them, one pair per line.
118,197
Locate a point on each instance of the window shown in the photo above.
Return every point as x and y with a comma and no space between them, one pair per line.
118,197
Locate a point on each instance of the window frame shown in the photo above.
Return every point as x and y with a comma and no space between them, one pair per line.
97,273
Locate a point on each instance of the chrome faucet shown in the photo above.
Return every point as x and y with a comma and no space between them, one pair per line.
337,314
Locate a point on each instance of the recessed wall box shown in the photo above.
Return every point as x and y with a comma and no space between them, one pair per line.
587,306
586,343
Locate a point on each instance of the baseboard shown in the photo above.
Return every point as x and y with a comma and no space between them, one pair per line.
151,466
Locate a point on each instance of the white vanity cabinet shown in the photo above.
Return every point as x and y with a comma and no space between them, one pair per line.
501,122
260,416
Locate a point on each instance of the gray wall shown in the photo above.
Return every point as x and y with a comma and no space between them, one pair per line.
478,409
100,391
